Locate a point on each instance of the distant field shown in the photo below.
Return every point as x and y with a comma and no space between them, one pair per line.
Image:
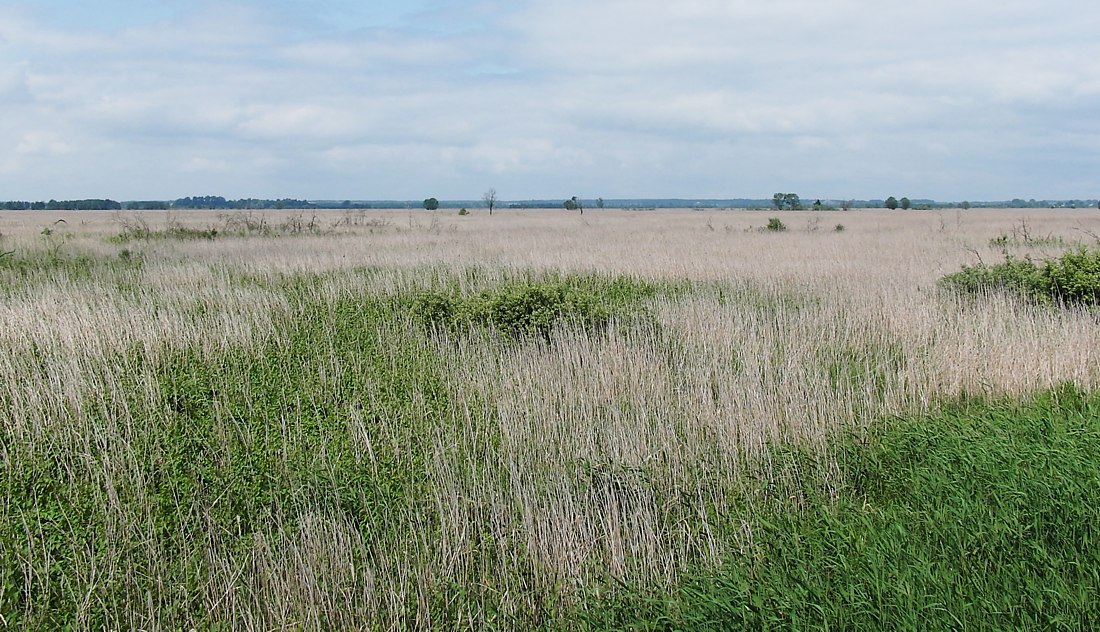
538,419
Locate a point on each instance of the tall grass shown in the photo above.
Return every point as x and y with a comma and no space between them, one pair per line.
979,516
400,425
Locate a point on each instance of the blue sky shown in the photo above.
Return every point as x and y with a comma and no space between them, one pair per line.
159,99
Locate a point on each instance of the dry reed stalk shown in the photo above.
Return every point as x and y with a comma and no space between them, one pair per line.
564,461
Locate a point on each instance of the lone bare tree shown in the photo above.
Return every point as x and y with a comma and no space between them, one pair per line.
490,199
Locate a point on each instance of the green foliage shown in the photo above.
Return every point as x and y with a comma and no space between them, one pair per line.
1072,279
241,224
174,231
535,308
219,202
463,211
775,225
904,203
891,203
789,201
1015,276
137,229
982,516
839,228
431,204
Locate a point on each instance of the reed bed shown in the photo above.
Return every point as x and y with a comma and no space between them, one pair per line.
260,430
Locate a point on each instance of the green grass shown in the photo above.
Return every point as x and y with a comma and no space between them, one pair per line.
979,515
228,445
24,269
985,515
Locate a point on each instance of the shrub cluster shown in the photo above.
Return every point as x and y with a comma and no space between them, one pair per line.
1072,279
535,308
232,225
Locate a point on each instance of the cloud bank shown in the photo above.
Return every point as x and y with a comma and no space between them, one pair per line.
550,98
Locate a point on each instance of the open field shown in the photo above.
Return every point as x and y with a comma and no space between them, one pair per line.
538,419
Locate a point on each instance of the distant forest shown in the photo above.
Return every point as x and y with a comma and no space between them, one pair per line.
197,202
217,202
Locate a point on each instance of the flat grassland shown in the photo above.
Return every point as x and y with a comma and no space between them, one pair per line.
539,419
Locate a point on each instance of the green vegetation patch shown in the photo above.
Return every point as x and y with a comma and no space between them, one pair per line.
329,417
176,231
23,269
230,225
775,225
1071,279
985,515
535,307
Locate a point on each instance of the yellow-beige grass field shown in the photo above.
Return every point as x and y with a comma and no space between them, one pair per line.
759,327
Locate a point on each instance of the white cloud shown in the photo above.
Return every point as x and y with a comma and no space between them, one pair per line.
42,143
622,98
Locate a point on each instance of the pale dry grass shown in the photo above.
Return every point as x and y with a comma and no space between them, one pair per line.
585,456
877,247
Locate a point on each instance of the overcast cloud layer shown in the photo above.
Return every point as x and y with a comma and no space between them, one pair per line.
157,99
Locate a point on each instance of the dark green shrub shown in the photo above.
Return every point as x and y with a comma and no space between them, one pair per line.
535,308
435,307
1016,276
1074,277
775,225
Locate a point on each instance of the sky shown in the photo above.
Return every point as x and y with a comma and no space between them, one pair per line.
546,99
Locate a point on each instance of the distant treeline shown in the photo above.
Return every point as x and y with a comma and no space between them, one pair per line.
63,205
1033,203
218,202
197,202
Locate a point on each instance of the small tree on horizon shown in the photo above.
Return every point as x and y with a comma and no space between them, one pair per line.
573,204
490,199
431,204
905,203
891,203
789,201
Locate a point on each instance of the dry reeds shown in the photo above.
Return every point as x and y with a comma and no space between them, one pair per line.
542,466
